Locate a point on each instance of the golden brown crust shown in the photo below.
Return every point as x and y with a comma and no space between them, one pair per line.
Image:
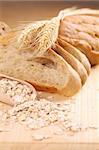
82,31
76,65
44,88
73,84
75,52
85,48
54,77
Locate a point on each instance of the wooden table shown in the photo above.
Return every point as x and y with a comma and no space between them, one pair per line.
17,137
14,12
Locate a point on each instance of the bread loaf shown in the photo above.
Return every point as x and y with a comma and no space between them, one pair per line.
82,31
50,72
75,52
70,59
51,54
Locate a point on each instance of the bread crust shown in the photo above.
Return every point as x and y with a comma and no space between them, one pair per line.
76,65
85,48
82,31
63,41
73,84
54,77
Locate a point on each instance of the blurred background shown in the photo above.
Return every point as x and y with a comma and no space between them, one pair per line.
12,11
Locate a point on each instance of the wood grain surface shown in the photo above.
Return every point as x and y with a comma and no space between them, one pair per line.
16,137
14,12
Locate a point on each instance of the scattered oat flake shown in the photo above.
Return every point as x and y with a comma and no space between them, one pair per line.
40,137
37,113
17,91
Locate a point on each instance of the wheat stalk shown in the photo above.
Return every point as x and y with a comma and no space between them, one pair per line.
41,35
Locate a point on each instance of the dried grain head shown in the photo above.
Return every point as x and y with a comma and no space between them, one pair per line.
41,35
38,36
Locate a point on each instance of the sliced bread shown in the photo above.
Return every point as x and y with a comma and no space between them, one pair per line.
82,31
85,48
49,73
75,52
74,62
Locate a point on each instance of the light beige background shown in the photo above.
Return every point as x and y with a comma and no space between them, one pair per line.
13,12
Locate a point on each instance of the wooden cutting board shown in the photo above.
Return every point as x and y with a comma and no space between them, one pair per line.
17,138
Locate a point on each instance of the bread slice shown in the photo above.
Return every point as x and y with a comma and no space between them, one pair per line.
82,32
85,48
75,52
70,59
4,28
50,72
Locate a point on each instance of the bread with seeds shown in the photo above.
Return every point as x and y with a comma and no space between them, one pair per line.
50,72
